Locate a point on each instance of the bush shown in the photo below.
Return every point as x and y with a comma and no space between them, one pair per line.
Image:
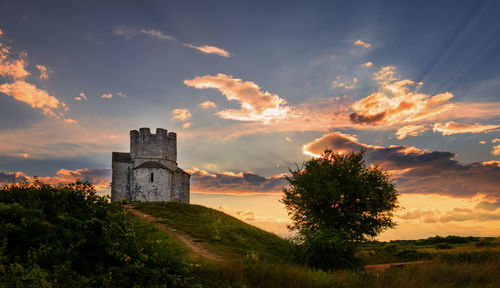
67,236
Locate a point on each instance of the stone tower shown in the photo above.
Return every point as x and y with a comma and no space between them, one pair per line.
149,172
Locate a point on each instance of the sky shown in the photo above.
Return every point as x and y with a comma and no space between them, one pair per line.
253,88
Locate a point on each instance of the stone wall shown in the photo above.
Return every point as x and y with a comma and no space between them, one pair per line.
162,145
180,186
121,164
145,190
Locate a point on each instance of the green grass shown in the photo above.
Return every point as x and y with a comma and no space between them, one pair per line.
220,232
255,258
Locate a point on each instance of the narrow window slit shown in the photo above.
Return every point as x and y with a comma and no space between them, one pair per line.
152,177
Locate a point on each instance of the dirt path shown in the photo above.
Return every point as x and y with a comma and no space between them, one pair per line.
196,249
382,267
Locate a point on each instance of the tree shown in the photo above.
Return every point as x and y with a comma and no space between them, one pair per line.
336,196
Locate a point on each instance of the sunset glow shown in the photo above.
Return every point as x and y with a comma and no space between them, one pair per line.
253,90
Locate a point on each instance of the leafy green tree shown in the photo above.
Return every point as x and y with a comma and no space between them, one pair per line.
337,194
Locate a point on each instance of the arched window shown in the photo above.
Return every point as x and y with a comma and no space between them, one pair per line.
152,177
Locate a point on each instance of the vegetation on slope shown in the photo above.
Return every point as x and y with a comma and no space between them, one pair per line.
222,233
69,237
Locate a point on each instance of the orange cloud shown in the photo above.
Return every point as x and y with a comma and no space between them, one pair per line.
451,128
29,94
43,71
81,97
255,104
496,150
338,84
397,101
186,125
362,43
206,49
495,140
106,95
67,120
207,105
317,115
410,130
100,178
14,68
181,114
368,64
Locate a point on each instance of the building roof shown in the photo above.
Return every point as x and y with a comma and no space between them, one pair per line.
151,164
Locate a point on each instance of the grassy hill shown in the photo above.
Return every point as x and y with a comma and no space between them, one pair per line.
69,237
220,232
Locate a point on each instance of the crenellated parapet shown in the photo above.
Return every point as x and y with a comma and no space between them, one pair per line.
162,145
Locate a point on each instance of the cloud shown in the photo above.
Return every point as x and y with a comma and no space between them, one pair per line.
482,142
417,214
187,125
314,115
43,72
81,97
288,139
397,101
13,68
410,130
451,128
471,110
255,105
496,150
53,139
362,43
246,215
338,84
235,183
29,94
181,114
419,171
106,95
121,94
67,120
207,105
496,140
368,64
206,49
129,32
488,205
460,215
99,177
7,178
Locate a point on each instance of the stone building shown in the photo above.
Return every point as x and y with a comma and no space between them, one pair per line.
149,172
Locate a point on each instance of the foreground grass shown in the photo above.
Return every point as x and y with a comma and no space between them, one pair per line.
254,258
69,237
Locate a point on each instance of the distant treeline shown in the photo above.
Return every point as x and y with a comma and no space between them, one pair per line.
452,239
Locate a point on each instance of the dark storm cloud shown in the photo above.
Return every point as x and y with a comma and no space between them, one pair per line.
419,171
227,182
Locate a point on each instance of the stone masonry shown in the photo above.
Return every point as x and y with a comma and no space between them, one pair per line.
149,172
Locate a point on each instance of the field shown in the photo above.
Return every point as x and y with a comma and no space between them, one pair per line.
69,237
